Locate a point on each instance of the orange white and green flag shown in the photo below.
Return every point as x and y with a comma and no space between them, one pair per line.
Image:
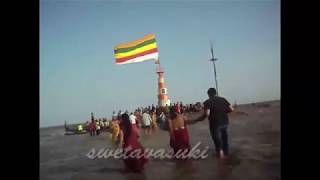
139,50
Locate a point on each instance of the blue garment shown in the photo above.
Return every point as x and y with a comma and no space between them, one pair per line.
220,138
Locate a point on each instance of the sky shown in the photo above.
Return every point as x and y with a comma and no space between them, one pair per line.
78,74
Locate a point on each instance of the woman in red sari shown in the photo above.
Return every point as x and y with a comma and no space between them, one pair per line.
129,139
179,135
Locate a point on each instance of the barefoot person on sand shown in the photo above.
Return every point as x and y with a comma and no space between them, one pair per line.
216,109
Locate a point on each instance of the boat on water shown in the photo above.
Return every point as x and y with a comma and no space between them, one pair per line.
75,132
75,129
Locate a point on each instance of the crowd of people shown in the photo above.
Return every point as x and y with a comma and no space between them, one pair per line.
153,117
96,125
148,118
126,128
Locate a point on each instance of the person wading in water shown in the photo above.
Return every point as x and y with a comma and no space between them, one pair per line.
216,108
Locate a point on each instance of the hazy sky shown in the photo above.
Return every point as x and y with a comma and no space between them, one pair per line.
78,74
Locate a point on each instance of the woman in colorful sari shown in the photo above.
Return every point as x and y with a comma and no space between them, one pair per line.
115,131
129,139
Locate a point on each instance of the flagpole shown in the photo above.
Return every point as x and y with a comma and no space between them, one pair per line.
158,71
215,74
214,68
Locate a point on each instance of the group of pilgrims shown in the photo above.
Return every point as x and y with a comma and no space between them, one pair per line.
149,118
125,127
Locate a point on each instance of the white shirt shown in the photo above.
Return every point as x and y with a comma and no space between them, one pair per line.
162,117
132,119
146,119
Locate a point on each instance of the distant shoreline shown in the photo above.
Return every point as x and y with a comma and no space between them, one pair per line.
55,126
261,102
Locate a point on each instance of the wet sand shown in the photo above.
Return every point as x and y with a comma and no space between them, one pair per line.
254,147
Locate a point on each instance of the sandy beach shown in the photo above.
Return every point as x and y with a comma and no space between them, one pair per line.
254,144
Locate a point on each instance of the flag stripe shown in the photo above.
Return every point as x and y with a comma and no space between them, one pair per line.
140,59
136,42
128,49
136,51
136,55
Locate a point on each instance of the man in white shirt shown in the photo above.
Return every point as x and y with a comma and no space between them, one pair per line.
133,120
162,120
146,120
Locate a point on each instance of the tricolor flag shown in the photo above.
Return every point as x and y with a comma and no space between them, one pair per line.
139,50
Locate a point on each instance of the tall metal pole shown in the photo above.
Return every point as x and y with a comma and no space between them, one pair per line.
215,76
214,68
